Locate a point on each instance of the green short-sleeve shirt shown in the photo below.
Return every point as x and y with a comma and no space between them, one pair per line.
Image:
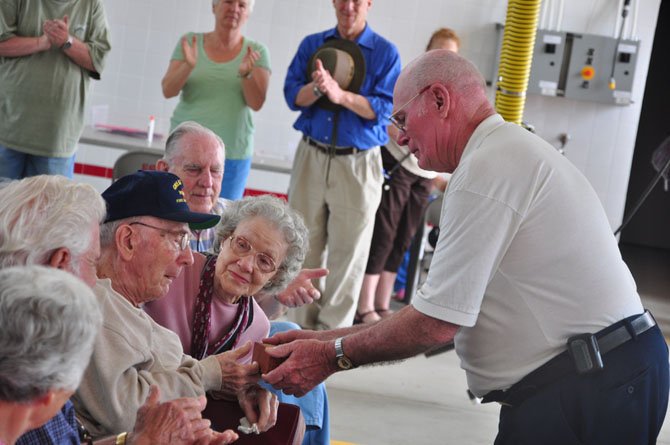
43,95
212,96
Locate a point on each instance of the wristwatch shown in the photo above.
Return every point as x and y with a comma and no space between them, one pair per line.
67,44
317,92
343,362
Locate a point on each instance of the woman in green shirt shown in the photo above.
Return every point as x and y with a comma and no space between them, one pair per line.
222,77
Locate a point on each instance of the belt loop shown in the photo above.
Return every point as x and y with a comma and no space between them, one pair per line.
630,329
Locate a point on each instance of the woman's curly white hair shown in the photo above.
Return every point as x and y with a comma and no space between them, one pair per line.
277,212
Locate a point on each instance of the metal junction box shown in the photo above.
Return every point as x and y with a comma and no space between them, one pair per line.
545,73
579,66
589,71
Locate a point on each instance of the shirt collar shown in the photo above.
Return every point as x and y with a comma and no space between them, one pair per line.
365,39
484,128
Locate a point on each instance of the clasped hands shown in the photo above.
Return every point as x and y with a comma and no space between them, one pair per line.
56,32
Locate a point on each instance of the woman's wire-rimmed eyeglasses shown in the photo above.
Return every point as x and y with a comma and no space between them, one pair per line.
242,247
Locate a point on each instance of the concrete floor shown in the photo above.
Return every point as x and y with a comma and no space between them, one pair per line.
422,401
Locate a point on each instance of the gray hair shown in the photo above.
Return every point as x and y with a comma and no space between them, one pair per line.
174,147
288,221
108,230
250,4
48,322
41,214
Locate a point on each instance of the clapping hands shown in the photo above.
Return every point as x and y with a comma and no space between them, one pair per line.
190,50
248,62
326,84
56,31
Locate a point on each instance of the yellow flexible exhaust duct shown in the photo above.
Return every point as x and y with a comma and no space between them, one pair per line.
516,56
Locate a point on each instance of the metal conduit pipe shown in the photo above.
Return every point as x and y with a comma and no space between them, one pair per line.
516,56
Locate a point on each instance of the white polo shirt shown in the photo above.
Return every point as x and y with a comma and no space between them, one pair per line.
525,259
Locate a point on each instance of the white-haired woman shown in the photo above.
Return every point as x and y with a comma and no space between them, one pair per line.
222,77
260,245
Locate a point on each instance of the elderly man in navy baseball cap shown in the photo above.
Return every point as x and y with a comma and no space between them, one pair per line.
153,193
144,246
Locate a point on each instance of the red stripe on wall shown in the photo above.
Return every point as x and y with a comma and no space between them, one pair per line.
92,170
254,192
105,172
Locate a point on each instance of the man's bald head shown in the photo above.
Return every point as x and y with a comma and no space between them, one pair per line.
441,66
439,100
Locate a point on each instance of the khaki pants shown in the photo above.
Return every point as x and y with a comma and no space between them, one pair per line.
338,197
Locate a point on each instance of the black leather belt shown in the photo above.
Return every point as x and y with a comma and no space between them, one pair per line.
335,151
608,339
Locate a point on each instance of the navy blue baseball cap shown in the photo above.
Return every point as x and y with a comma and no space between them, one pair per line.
153,193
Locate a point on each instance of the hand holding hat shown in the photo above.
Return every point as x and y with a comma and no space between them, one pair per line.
336,67
325,82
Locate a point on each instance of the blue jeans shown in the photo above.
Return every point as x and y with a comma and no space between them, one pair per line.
235,174
624,404
17,165
313,405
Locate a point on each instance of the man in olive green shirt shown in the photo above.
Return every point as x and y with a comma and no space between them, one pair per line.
48,51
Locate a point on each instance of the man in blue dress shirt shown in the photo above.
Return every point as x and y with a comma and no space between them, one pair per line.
337,177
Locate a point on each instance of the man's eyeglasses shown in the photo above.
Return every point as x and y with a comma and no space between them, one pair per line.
242,247
399,123
183,238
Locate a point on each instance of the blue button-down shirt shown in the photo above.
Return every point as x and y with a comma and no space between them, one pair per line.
62,429
382,68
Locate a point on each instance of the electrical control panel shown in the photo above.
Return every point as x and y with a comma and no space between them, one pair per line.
580,66
600,69
545,73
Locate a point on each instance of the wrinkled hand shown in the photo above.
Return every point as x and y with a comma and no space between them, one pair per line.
301,291
57,31
260,407
216,438
190,51
175,422
237,377
295,334
325,82
248,62
308,363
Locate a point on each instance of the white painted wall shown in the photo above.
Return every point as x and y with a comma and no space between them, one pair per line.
144,33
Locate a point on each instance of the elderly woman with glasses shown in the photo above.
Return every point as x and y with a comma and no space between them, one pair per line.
260,245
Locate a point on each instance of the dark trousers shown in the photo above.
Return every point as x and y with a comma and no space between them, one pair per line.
624,404
398,216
